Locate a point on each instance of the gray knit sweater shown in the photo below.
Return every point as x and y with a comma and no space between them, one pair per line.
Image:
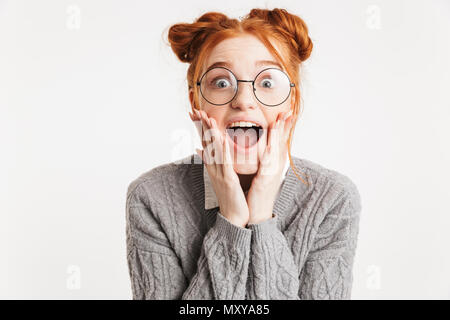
178,250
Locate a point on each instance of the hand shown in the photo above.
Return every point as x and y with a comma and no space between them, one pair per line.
219,164
265,185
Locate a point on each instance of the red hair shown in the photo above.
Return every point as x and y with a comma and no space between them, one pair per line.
192,43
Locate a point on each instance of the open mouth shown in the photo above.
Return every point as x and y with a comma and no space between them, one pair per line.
245,134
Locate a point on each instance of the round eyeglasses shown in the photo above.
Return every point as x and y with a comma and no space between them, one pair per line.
271,86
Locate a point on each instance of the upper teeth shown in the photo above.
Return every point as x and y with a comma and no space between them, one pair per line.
243,124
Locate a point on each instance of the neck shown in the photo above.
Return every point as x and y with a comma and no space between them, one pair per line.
246,181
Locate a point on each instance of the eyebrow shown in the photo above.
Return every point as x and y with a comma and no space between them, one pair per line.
257,64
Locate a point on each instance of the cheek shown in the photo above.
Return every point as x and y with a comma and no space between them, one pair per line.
217,114
273,116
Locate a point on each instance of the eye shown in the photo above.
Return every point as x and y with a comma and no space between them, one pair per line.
221,83
267,83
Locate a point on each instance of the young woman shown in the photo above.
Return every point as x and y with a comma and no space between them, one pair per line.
236,220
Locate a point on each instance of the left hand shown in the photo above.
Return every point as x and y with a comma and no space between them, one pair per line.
265,185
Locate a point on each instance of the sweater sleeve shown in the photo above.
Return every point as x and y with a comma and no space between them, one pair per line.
155,270
274,273
327,273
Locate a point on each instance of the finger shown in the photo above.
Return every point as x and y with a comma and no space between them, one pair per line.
274,133
281,130
207,119
289,117
275,137
200,130
198,119
288,126
287,114
270,134
216,142
198,123
282,137
270,157
205,129
267,149
227,160
193,115
209,151
280,116
196,114
209,138
200,154
205,115
216,131
213,128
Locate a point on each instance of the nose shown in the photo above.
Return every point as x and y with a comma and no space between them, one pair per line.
245,98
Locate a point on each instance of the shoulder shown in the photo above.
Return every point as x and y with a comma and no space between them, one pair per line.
151,185
329,184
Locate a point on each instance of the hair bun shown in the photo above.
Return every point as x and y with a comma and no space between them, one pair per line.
289,25
186,38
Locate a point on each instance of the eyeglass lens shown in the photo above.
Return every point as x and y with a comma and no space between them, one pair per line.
219,86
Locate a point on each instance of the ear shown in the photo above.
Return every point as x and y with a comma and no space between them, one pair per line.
191,98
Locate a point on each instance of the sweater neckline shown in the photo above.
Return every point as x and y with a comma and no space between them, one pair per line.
288,191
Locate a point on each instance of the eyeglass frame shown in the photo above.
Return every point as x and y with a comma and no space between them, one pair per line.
291,84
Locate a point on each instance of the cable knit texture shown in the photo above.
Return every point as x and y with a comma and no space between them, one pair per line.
177,249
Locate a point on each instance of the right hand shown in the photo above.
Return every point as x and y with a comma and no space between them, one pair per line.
217,158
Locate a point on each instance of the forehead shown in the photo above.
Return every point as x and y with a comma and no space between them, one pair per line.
242,53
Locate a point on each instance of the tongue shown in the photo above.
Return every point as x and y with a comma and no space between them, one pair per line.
244,137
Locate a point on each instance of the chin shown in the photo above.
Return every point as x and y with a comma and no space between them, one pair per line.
244,168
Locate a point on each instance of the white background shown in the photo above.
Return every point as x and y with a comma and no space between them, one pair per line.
91,96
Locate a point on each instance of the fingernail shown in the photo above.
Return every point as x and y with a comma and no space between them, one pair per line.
287,115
